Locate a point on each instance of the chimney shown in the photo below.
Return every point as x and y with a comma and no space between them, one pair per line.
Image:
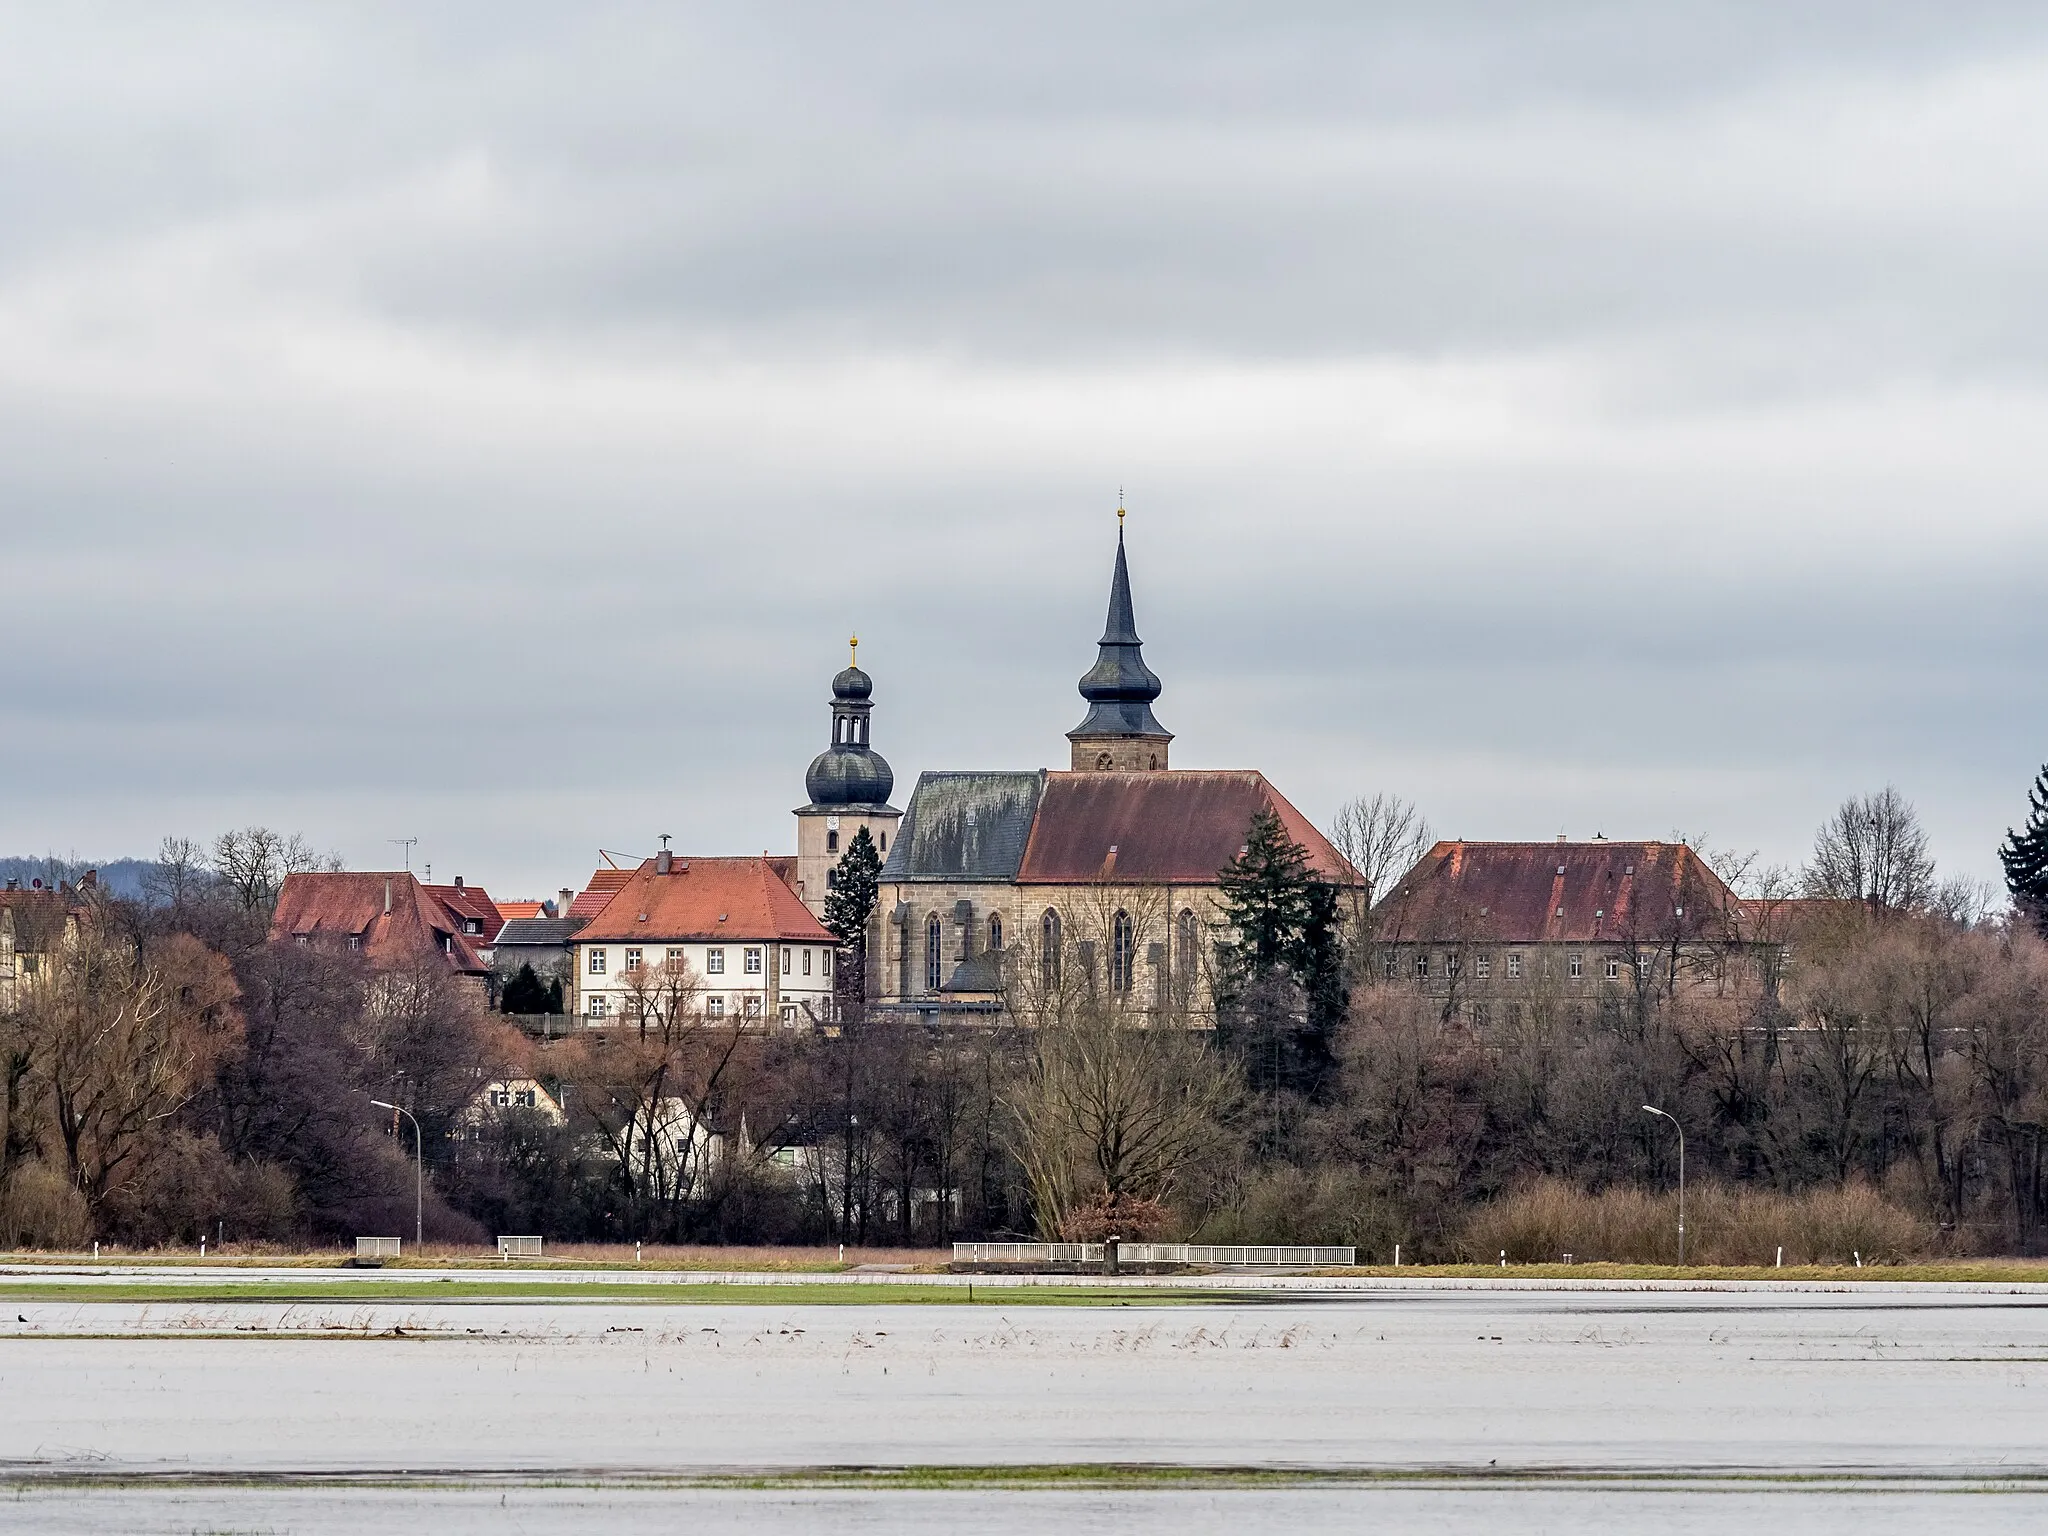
387,895
1560,837
89,879
562,900
664,861
458,882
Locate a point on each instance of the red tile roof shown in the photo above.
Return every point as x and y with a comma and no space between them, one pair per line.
729,898
1172,828
604,884
472,903
1537,893
511,910
391,916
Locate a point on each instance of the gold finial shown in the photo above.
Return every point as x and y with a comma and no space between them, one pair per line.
854,641
1119,506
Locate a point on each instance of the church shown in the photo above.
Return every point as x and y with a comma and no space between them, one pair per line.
1014,887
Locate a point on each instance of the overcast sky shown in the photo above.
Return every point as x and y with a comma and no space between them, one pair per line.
486,423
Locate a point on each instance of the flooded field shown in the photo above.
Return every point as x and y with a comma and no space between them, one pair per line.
1424,1410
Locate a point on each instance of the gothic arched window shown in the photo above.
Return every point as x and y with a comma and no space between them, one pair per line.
934,952
995,932
1187,944
1123,944
1049,949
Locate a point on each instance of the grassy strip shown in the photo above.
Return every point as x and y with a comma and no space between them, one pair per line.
1969,1271
485,1263
680,1293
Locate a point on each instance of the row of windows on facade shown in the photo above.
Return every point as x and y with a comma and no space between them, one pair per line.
1123,948
747,1007
714,961
1482,1014
1449,966
447,942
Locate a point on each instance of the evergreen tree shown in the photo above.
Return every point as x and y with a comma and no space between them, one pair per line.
526,993
1282,993
2025,856
1319,962
849,910
1265,898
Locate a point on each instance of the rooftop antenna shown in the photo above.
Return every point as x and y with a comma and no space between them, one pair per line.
408,842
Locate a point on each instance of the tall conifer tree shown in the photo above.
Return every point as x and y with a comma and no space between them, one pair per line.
1265,897
1287,960
849,909
2025,856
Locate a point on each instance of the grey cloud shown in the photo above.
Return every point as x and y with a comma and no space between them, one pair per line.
488,422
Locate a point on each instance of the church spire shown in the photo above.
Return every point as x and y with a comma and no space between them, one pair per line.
1119,731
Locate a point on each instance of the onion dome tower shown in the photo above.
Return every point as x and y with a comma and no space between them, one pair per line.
1120,733
849,784
850,772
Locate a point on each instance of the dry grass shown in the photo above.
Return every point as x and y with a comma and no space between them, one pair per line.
1723,1226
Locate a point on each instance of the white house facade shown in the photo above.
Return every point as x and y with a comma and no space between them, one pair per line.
723,939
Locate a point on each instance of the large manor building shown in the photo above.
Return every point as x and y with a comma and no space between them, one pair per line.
1021,886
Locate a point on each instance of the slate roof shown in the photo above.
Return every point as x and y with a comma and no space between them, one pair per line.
315,907
1119,688
705,899
1170,828
1555,893
965,826
537,932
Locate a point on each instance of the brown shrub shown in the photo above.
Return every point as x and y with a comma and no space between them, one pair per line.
40,1208
1292,1205
1541,1223
187,1188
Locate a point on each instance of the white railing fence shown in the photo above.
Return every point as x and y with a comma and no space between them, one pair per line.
1223,1255
518,1247
377,1247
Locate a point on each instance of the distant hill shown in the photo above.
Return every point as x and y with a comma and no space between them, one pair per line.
123,877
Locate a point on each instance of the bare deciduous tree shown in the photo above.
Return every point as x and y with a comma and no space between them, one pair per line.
1873,850
118,1045
1109,1112
1383,836
181,876
253,862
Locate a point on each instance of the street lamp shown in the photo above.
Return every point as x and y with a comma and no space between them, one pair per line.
419,1179
1651,1109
